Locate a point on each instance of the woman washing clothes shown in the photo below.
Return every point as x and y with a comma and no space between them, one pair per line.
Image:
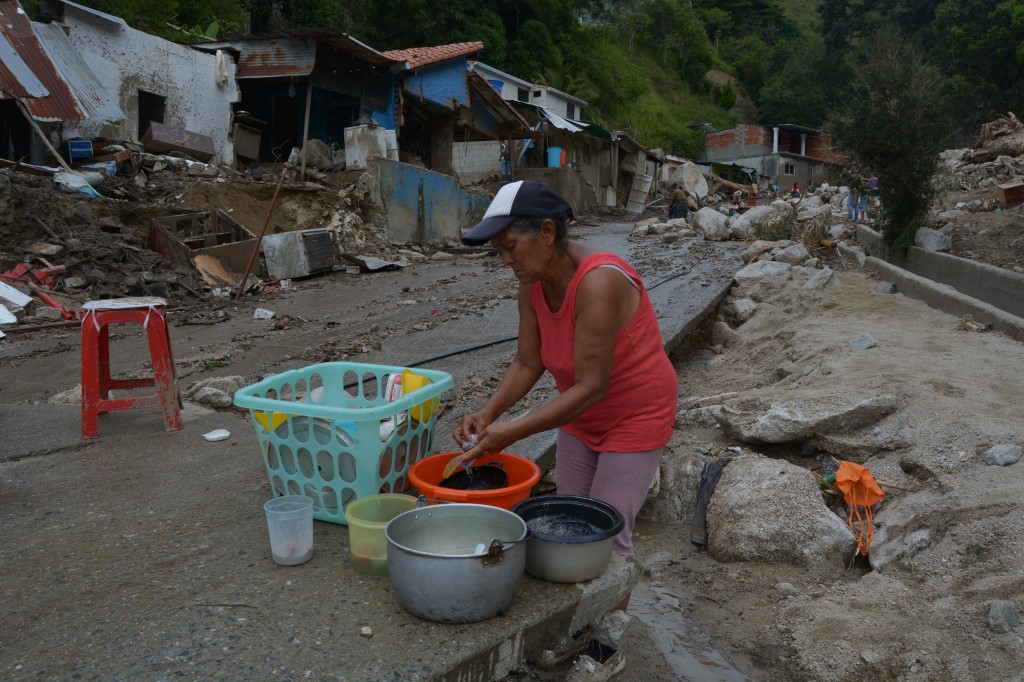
585,317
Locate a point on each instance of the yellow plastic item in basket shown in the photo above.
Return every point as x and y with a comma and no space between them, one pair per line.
276,419
410,382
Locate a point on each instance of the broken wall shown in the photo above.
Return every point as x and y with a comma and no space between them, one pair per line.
569,183
424,206
473,160
132,61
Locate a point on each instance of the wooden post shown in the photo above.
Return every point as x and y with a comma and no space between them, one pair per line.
305,127
259,240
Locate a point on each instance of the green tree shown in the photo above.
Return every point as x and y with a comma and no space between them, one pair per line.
797,92
894,127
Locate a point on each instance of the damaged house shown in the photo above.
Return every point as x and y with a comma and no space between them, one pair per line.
772,154
104,79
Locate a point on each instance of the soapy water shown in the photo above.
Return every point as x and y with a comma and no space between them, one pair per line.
562,526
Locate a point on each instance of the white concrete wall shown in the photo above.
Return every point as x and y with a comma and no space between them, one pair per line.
473,160
129,60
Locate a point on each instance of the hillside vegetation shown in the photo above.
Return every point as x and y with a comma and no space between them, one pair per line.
642,64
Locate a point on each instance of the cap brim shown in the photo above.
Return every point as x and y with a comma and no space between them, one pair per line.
487,228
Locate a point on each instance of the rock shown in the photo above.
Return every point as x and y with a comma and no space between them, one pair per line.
932,240
811,214
1003,454
227,385
659,228
794,255
75,283
839,231
766,420
1003,616
812,263
743,225
670,238
786,590
826,277
676,223
885,288
724,335
441,256
691,179
45,249
871,657
689,233
72,396
850,251
713,224
414,256
946,216
770,510
884,552
611,627
741,309
863,341
699,416
641,227
770,273
680,476
48,314
704,401
811,201
212,397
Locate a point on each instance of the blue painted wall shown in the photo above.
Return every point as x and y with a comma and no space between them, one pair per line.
441,83
447,209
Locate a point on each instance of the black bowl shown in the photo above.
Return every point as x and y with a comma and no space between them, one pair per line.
569,519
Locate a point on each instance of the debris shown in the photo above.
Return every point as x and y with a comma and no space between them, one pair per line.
217,435
1003,616
885,288
366,631
263,314
12,295
967,324
932,240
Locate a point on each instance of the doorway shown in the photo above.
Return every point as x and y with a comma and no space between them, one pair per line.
151,109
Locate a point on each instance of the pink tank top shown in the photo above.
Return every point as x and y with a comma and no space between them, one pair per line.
638,413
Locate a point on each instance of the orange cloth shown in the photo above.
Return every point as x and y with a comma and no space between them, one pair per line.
861,492
639,410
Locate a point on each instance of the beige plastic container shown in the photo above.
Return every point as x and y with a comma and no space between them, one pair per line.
367,517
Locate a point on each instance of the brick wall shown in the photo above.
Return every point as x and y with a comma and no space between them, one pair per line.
743,140
473,160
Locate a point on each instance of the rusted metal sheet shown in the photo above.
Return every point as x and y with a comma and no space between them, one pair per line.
58,104
94,99
276,58
161,138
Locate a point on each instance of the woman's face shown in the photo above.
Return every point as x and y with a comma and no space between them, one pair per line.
526,253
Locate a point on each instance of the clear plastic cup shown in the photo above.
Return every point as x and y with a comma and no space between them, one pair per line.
290,522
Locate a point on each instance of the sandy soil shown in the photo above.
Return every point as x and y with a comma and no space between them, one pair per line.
921,618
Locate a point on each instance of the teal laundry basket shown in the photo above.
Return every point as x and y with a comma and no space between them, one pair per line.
327,431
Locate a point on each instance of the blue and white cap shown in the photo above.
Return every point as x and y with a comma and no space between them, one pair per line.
520,199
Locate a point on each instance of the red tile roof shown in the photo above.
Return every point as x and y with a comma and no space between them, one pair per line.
416,57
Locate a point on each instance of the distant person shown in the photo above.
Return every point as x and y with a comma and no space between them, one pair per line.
677,206
505,161
796,190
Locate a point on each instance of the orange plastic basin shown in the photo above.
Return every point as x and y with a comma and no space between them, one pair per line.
523,474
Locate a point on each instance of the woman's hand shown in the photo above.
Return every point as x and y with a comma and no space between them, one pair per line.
469,426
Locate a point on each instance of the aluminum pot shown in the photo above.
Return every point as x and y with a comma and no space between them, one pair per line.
570,536
456,563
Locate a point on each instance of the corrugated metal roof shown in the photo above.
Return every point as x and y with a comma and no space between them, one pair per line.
276,58
548,115
95,12
90,94
15,75
416,57
59,104
344,42
501,109
268,57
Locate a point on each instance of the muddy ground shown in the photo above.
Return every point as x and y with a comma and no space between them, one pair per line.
918,618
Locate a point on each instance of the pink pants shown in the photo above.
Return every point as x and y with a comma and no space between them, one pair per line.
621,479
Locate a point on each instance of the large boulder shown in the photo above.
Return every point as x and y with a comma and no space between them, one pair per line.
794,255
767,273
809,202
743,225
770,510
933,240
691,179
713,224
757,419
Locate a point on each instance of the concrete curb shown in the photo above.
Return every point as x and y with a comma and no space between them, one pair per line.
947,299
997,287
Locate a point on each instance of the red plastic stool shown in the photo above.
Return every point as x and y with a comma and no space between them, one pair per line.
96,381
